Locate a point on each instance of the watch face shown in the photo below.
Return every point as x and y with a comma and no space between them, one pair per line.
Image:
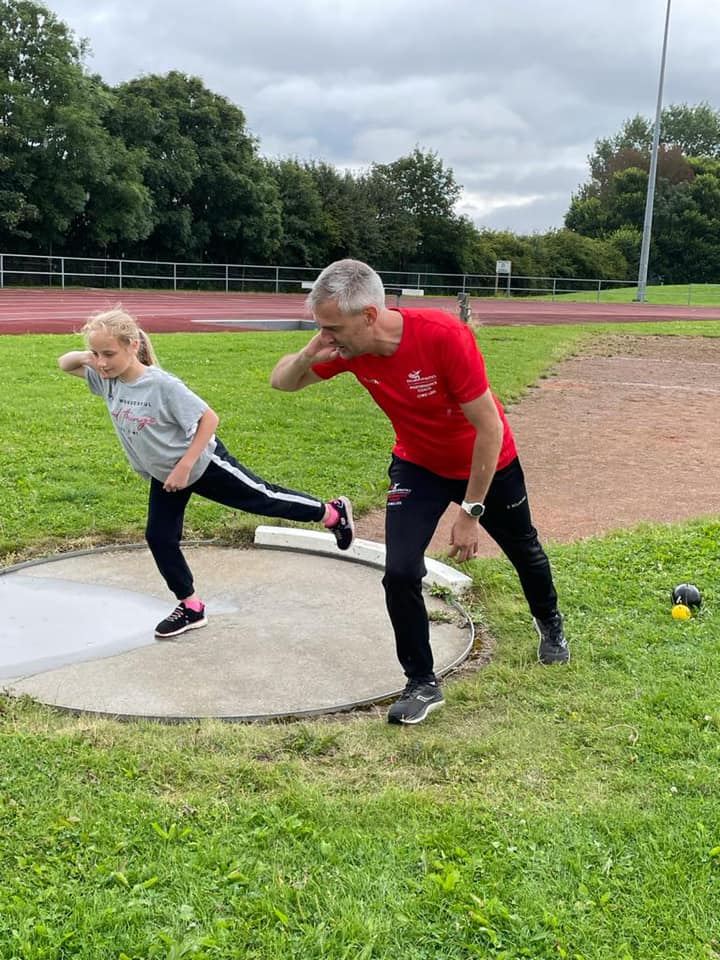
477,510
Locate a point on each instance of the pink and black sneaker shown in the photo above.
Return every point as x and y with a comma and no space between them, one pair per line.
181,619
343,528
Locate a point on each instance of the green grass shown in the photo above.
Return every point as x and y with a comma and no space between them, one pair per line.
545,813
66,478
681,294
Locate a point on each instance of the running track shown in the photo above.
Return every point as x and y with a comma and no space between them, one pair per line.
65,311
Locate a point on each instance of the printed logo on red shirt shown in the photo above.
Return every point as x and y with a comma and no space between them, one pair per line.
420,385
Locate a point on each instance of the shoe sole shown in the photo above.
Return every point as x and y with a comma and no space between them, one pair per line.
348,510
176,633
422,716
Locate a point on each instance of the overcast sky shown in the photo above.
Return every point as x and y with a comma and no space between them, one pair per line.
511,94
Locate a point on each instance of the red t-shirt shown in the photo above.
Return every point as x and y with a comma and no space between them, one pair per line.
436,367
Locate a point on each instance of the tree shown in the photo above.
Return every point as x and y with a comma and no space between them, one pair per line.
684,132
627,241
563,253
303,220
633,141
213,197
686,228
118,208
489,246
415,199
55,150
350,219
695,131
686,217
398,235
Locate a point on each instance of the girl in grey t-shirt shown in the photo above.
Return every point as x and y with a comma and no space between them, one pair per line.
168,434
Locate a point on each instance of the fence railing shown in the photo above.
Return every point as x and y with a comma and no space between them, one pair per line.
19,269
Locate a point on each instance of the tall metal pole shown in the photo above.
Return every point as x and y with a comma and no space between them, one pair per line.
650,200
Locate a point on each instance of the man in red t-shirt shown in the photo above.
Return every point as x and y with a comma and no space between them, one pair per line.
452,444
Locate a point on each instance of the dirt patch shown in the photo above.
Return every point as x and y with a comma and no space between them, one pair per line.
627,432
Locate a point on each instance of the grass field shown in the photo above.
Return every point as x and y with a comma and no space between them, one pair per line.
682,295
545,813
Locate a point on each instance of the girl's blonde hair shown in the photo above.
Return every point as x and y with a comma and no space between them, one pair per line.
120,324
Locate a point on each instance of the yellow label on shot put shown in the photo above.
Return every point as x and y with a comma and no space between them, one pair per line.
681,612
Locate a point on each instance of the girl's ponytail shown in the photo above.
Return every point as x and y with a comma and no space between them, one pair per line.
146,354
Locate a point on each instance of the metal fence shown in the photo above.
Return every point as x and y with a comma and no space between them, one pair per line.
19,269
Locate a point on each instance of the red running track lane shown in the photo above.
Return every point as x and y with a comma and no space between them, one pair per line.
65,311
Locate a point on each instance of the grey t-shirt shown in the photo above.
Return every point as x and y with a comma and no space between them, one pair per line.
155,418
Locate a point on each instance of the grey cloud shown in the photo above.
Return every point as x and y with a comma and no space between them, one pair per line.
512,96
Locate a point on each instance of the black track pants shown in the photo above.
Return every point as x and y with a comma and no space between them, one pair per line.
225,481
416,501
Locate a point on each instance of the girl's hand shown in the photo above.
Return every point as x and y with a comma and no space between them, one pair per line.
75,362
178,478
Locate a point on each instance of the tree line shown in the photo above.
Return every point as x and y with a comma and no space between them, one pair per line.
686,221
162,168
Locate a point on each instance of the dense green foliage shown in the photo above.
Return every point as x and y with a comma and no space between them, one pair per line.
63,172
545,814
212,197
686,222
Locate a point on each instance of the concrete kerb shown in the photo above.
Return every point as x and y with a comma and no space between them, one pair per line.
362,551
261,324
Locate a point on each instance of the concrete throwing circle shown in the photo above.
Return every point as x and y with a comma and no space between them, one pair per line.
289,634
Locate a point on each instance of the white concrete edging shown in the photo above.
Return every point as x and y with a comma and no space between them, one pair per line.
362,551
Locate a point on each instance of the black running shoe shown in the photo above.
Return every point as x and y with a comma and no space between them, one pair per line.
344,528
181,619
553,647
417,700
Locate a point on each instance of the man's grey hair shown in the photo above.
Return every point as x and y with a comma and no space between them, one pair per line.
352,284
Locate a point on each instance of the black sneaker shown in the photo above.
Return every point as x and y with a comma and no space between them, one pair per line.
344,529
553,647
181,619
417,700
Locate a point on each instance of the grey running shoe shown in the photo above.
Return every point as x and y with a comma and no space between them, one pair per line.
417,700
181,619
344,529
553,647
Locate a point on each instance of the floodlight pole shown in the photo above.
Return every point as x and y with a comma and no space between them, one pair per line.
649,202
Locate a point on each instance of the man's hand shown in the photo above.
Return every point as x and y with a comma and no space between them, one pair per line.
294,371
464,537
318,350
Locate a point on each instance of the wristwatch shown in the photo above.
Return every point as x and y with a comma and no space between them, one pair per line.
473,509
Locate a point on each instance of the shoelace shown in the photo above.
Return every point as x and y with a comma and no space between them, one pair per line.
552,631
